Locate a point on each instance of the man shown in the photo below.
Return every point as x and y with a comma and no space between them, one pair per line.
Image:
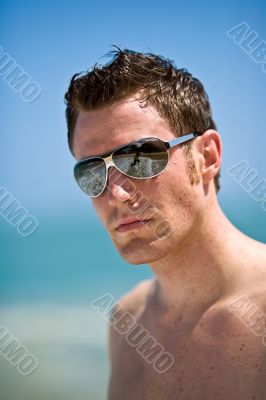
209,276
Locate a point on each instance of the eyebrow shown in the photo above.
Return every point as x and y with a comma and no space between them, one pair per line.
108,153
171,143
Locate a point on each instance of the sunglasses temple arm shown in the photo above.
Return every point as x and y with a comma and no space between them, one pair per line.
183,139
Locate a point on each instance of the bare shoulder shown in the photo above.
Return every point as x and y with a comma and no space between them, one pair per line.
253,292
135,299
242,313
126,310
238,319
254,251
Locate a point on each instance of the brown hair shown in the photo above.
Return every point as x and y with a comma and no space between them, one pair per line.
179,97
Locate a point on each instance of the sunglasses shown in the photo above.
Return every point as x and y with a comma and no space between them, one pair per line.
141,159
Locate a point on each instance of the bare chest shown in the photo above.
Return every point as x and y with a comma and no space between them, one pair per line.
171,365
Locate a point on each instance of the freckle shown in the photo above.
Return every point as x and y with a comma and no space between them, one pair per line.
180,389
256,365
212,368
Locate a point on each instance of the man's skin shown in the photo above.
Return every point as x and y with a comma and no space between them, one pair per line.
204,266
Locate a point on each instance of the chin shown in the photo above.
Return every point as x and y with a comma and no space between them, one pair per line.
140,251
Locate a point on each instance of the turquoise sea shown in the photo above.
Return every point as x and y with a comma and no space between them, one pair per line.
48,281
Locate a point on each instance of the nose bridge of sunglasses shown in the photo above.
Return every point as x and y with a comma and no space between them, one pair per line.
109,162
117,177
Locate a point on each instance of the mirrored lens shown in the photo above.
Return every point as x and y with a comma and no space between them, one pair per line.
91,176
143,159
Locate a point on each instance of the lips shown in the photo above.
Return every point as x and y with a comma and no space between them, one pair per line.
131,223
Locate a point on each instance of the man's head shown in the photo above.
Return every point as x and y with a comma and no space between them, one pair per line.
137,96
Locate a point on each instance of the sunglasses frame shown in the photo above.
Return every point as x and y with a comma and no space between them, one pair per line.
108,157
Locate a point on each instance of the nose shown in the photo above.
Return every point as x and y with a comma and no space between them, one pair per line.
119,187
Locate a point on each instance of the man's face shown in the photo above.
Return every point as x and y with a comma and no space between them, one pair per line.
169,198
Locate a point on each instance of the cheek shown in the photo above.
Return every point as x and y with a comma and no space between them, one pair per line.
179,197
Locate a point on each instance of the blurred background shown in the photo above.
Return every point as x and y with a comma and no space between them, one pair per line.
49,278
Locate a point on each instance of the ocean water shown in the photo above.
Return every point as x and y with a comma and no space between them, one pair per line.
65,260
48,281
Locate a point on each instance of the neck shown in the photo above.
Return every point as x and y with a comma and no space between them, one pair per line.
205,268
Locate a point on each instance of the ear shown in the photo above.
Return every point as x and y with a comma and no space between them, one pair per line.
210,154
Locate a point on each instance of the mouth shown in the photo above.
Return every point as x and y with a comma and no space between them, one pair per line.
132,225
